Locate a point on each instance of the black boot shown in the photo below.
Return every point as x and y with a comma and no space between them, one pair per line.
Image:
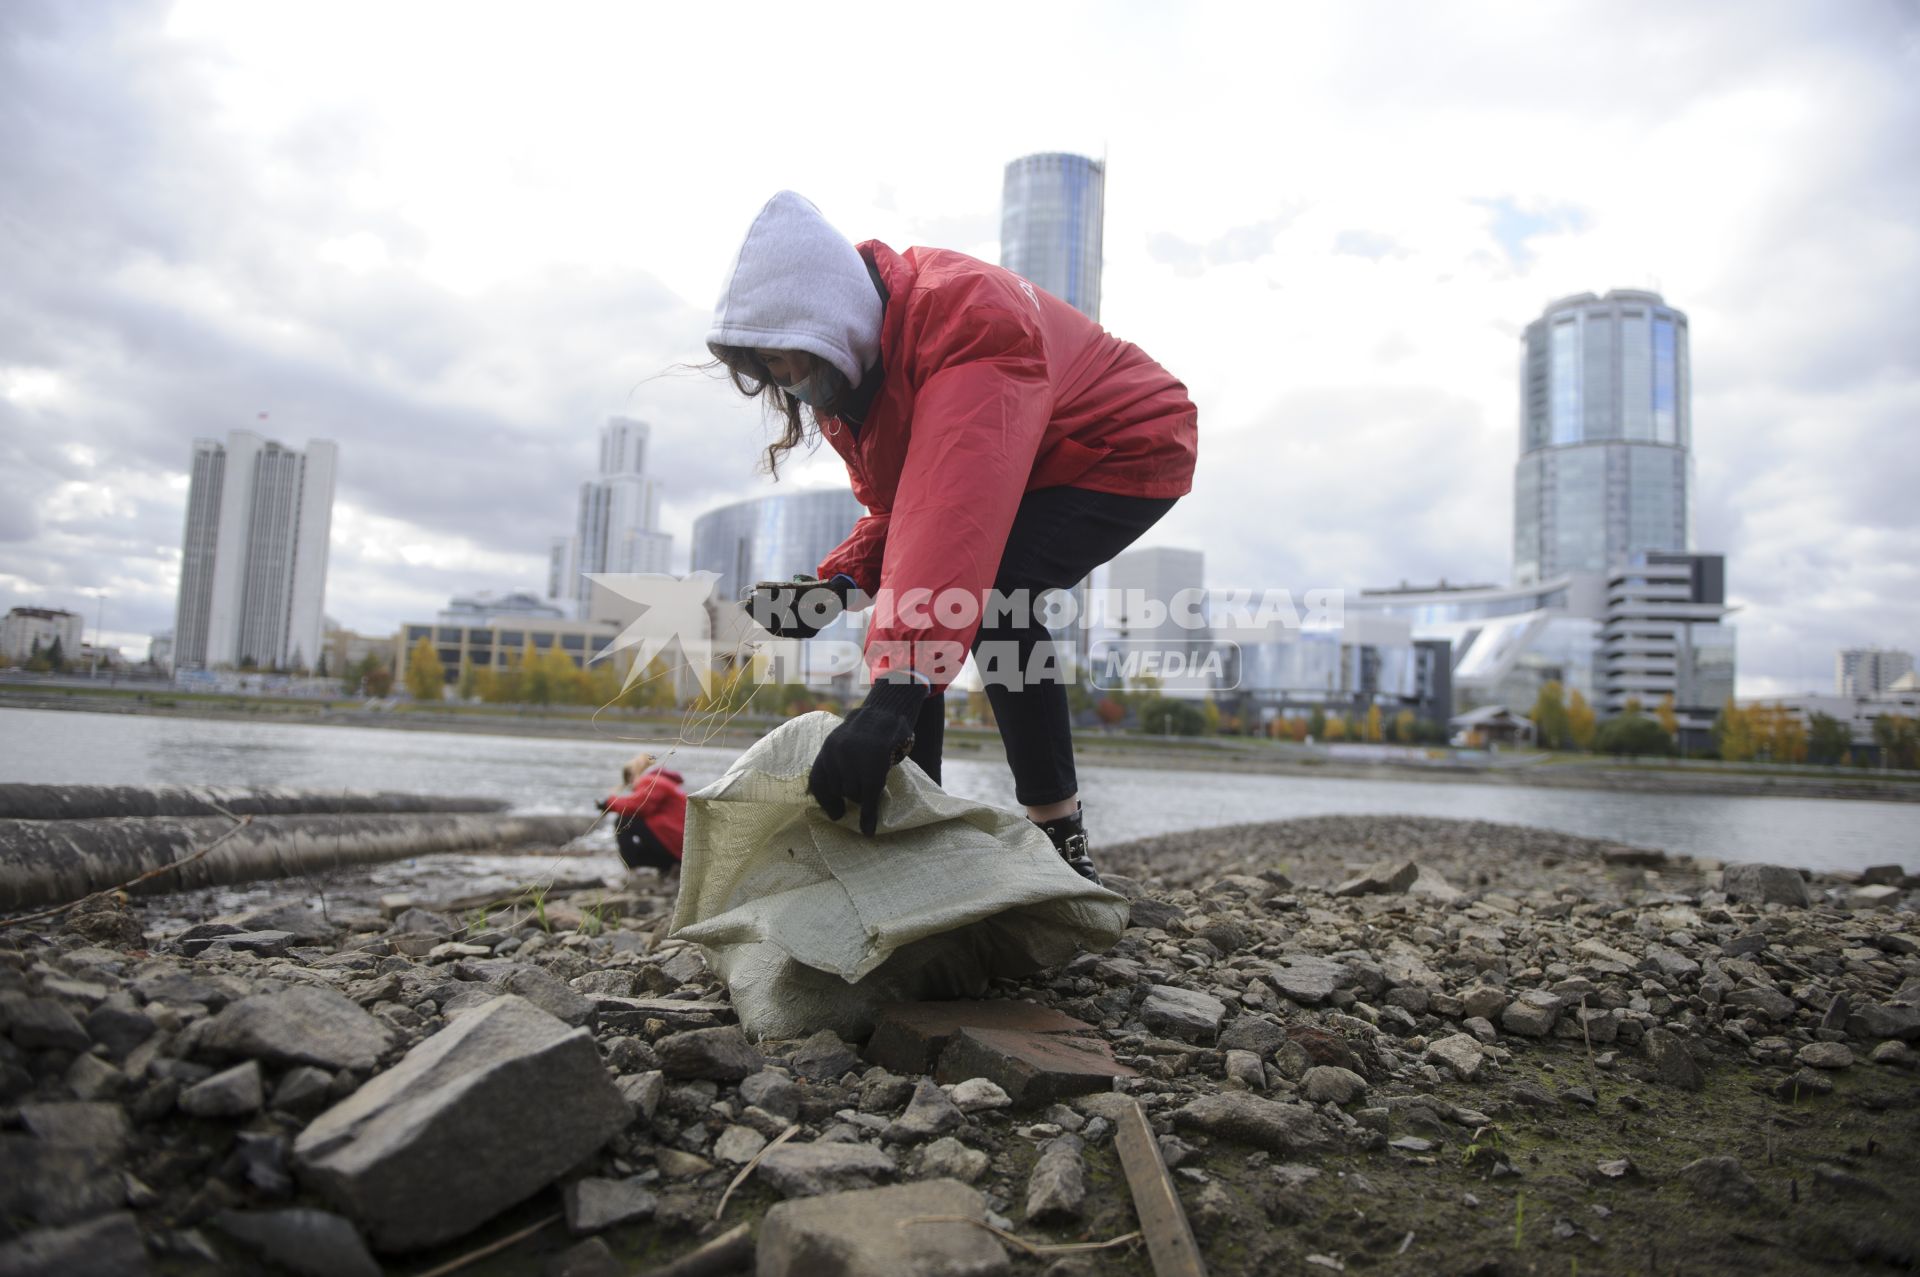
1069,837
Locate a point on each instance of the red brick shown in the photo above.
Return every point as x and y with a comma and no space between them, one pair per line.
909,1036
1032,1068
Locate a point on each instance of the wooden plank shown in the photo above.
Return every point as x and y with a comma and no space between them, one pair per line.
1170,1241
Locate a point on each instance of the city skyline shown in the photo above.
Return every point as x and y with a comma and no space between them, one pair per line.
1347,311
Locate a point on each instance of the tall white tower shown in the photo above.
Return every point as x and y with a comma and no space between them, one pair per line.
253,570
618,529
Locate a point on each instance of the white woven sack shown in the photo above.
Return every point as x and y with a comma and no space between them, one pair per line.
812,924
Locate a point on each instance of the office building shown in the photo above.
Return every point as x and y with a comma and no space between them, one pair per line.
26,630
1661,636
771,538
253,567
1605,438
617,528
1504,642
497,643
1861,672
1052,215
473,609
775,538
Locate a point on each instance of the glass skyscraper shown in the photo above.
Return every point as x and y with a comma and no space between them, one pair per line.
1605,436
1052,210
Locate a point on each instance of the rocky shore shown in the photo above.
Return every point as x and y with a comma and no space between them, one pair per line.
1380,1044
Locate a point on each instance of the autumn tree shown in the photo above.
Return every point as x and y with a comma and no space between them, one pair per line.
1406,727
1370,726
426,676
1581,723
1664,712
1828,739
1549,715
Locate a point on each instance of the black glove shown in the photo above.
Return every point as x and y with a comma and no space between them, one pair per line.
799,608
854,760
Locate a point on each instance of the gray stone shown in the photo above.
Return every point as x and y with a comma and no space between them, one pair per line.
1532,1015
675,1164
807,1170
265,944
236,1092
1765,885
56,1184
1245,1068
1387,877
860,1234
313,1243
1825,1055
443,1141
1328,1084
590,1258
738,1144
1483,1001
1186,1014
303,1091
91,1078
110,1244
1308,980
977,1094
1673,1064
1156,914
948,1158
1057,1188
1248,1119
302,1025
722,1054
594,1204
774,1092
306,926
1768,1004
97,1125
931,1112
119,1029
824,1057
1898,1020
1802,1085
1720,1179
1253,1033
547,992
42,1024
643,1091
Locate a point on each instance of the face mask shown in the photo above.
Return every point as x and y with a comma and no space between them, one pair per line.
805,391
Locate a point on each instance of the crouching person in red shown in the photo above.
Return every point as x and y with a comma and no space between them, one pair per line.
650,819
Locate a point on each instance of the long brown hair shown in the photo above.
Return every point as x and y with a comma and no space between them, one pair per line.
751,377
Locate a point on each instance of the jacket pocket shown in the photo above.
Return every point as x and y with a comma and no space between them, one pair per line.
1063,461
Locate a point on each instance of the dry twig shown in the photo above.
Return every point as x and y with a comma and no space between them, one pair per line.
135,881
747,1170
1038,1250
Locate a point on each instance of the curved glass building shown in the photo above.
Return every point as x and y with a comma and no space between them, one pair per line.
1605,436
1052,213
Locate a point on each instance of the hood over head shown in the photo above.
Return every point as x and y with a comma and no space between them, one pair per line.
799,284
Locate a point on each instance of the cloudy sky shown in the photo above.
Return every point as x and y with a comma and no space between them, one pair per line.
456,238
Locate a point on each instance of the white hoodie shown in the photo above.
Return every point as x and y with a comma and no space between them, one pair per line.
799,284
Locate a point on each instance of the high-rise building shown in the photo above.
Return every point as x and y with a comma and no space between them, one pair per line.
1869,671
1605,436
618,527
1052,215
253,567
1661,636
771,538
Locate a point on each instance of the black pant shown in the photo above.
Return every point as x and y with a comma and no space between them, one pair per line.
1059,535
641,848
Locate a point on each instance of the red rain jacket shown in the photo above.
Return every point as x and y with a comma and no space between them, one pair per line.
658,801
992,389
